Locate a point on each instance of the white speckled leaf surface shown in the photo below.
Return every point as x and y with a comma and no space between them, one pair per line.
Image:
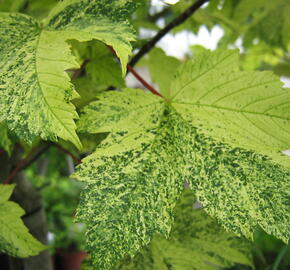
196,242
136,175
36,92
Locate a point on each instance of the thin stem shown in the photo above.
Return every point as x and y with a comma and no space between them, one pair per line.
177,21
138,77
34,154
146,84
26,162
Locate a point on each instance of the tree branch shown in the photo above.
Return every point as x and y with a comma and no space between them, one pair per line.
147,85
177,21
26,162
34,154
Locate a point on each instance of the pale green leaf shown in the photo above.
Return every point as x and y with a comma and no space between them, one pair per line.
39,9
36,92
161,67
105,71
253,21
87,89
265,20
241,108
101,68
6,192
15,240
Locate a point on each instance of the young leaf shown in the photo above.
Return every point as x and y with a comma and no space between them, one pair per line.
138,172
87,90
15,239
36,92
161,67
102,68
196,242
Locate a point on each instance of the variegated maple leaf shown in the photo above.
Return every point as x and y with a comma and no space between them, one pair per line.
35,90
216,129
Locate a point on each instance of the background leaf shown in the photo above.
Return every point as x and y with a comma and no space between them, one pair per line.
15,239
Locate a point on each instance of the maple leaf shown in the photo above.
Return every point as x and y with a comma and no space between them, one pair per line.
196,242
264,21
15,238
216,130
36,92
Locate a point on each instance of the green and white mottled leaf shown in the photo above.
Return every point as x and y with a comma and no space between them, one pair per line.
240,188
199,134
241,108
36,92
15,240
104,20
107,115
5,141
124,204
196,242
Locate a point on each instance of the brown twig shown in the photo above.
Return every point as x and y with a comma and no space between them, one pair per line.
61,148
34,154
146,84
138,77
177,21
26,162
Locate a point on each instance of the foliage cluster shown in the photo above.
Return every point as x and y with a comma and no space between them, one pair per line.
178,177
